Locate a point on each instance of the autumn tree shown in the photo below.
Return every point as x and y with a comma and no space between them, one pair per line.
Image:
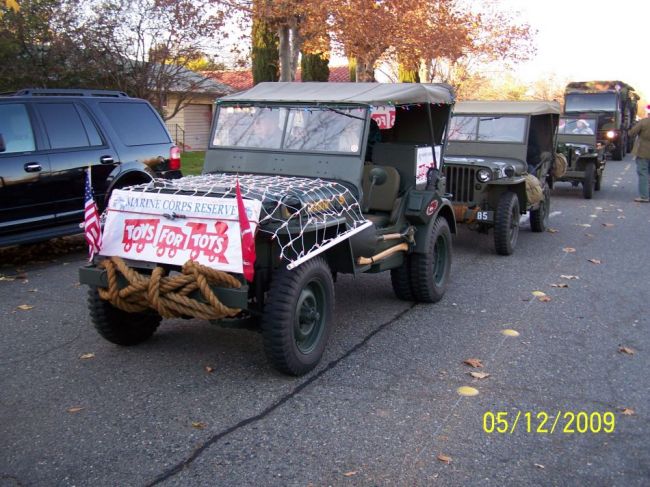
121,33
264,53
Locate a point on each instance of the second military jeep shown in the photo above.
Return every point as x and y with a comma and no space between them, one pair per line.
498,166
584,154
288,164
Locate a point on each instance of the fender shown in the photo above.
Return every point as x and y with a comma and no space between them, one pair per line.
445,211
127,174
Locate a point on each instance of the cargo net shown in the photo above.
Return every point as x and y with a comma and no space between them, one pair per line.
295,211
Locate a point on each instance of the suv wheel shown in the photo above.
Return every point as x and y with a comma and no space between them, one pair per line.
429,272
589,182
118,326
506,223
539,217
297,316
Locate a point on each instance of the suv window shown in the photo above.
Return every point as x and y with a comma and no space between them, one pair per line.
63,125
16,129
135,123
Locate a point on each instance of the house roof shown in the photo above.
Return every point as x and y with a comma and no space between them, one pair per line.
187,80
242,79
363,93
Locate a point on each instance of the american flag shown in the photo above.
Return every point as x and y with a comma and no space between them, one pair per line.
92,228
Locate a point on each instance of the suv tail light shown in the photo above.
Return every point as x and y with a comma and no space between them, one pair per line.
174,158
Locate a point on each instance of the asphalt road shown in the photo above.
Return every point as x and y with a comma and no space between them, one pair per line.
383,407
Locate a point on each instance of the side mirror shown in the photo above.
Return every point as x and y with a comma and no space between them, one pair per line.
378,176
3,146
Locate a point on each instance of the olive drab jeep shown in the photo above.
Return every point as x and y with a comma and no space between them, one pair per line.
498,165
301,181
585,156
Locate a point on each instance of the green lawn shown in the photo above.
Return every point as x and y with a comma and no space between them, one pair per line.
192,162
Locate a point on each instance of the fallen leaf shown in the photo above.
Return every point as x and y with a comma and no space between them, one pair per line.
467,391
86,356
627,411
552,230
208,369
473,362
539,465
590,235
569,250
198,425
35,290
75,409
544,299
586,225
24,307
443,458
595,261
593,216
510,333
538,294
561,285
619,210
350,473
7,278
479,375
620,217
608,225
626,350
567,276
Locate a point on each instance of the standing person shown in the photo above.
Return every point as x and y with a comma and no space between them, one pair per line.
641,152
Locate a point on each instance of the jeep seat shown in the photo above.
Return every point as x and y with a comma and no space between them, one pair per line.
381,201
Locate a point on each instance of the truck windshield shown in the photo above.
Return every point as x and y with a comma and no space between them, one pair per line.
488,128
587,102
321,129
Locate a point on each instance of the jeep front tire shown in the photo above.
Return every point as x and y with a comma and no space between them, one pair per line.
429,272
506,223
297,316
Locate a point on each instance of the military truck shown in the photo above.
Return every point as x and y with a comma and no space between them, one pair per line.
286,201
584,154
498,164
615,105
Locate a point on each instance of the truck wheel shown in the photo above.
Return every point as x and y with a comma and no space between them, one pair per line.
430,272
539,217
599,179
400,278
506,223
619,151
589,181
297,316
118,326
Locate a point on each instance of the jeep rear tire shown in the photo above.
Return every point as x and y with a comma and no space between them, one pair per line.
589,182
619,150
118,326
429,272
506,223
297,316
400,278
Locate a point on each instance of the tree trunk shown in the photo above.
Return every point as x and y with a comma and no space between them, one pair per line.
285,53
407,75
264,53
352,68
365,70
296,45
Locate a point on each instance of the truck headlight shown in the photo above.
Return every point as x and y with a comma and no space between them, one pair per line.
611,134
483,175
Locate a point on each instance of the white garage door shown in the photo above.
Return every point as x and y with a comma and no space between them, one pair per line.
197,126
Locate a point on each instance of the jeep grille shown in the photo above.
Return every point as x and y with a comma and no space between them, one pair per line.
460,182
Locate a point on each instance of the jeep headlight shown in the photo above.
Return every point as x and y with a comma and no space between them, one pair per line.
611,134
483,175
509,171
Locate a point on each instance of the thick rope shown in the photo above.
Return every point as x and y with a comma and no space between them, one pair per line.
169,296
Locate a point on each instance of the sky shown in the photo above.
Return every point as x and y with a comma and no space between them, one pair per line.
582,40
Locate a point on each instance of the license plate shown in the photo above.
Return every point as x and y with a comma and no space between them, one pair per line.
484,216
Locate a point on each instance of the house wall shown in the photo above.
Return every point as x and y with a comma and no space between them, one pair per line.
190,127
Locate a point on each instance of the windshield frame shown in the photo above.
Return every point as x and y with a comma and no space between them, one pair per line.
292,109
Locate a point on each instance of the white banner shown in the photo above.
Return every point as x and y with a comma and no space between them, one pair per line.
172,228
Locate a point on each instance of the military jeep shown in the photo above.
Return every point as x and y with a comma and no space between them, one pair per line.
498,164
584,154
289,164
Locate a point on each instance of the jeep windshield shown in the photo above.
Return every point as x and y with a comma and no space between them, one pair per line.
577,126
590,102
487,129
308,128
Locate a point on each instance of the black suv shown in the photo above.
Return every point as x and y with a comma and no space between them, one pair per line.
49,137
